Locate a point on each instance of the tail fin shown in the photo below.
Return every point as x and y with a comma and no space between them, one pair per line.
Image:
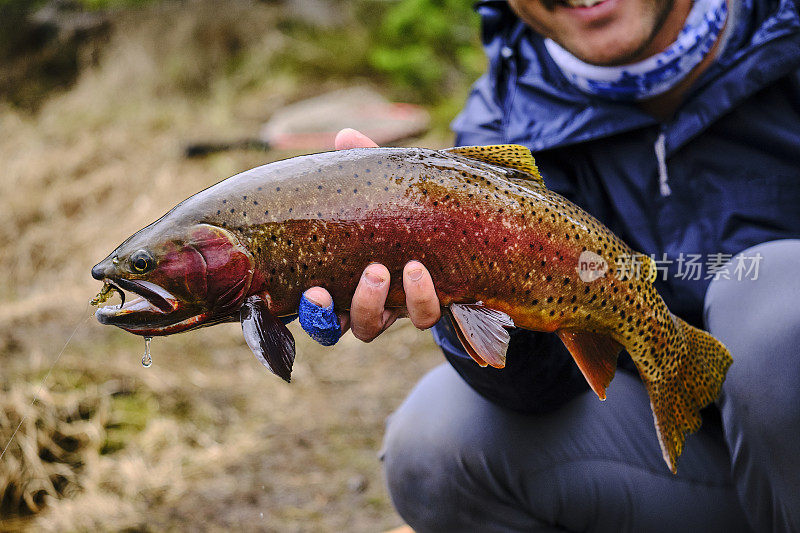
685,379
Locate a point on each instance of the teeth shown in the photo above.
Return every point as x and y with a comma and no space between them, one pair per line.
582,3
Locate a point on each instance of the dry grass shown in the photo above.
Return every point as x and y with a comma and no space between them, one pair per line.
205,439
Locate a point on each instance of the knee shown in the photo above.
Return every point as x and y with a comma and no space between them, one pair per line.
419,473
758,319
423,454
761,295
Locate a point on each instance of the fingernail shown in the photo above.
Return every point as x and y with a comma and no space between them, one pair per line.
415,274
373,279
312,300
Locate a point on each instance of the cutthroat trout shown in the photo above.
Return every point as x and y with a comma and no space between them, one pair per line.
502,249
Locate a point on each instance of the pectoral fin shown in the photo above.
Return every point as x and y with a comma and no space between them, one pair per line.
596,356
482,332
268,337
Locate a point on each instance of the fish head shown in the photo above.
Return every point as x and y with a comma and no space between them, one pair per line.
182,278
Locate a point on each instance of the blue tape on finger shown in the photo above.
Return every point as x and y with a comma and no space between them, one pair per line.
321,323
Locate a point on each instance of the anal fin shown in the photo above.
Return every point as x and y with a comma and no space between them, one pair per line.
595,355
268,338
482,332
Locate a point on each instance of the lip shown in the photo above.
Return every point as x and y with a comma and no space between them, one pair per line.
153,307
589,15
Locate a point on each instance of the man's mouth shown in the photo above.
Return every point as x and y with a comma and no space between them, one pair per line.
579,3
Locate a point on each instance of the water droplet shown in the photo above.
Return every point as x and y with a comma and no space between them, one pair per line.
146,359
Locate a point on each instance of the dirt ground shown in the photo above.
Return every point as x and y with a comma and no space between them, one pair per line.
205,439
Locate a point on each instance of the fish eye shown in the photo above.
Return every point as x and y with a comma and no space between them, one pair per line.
142,261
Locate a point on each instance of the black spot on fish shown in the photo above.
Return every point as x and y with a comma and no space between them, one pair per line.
277,189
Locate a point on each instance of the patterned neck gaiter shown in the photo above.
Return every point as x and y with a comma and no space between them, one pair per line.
654,75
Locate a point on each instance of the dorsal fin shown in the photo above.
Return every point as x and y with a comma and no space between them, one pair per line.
513,156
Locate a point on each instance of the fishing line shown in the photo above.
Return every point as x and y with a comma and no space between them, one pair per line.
41,385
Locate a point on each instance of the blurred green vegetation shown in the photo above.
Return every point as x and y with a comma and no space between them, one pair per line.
32,5
421,51
427,46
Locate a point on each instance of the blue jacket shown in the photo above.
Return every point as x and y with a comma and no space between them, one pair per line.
727,176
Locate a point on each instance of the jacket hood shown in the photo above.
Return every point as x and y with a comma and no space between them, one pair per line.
763,47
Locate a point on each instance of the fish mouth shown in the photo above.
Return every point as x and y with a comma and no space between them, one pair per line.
153,310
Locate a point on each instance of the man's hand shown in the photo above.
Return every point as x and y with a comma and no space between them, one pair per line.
367,317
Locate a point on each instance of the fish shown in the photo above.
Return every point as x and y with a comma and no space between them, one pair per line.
503,250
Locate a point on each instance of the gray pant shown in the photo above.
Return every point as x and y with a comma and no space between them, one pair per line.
456,462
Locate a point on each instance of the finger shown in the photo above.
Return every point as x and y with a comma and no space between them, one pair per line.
344,320
319,296
318,319
322,298
390,316
350,138
366,311
421,300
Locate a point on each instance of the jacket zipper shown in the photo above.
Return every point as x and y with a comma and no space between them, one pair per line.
660,148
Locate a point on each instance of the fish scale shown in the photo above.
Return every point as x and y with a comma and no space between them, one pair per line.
502,250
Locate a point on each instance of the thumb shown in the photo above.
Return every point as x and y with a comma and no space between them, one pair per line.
350,138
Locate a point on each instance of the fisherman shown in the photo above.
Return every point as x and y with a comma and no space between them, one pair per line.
677,124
